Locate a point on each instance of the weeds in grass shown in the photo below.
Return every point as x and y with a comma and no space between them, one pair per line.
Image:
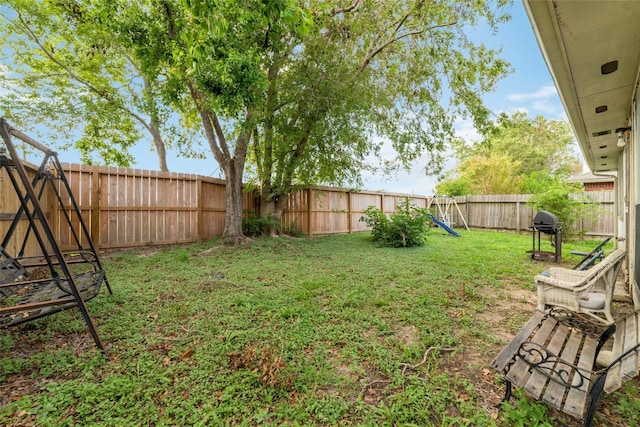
526,413
279,331
629,404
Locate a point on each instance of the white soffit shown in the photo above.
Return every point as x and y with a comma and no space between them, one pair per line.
577,39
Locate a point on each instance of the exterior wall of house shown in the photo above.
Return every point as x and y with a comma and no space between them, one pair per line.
598,186
633,191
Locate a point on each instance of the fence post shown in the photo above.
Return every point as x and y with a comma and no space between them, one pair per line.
466,204
95,209
349,211
309,213
199,210
518,216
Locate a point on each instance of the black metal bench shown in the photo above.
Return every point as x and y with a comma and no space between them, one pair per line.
553,358
29,291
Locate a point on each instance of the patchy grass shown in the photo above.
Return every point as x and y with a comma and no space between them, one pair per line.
322,331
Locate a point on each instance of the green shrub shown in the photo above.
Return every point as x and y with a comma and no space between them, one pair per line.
556,197
256,225
293,229
405,228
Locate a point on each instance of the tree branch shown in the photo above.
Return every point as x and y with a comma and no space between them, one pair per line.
347,9
373,52
102,94
207,124
242,143
220,133
287,173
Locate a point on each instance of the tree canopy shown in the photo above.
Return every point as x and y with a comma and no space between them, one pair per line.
294,93
72,76
368,74
515,155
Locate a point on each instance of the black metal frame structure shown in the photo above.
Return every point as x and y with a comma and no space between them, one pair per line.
554,229
588,259
35,286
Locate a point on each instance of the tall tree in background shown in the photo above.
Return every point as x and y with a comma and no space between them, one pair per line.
538,143
493,174
366,74
516,155
308,90
210,57
63,71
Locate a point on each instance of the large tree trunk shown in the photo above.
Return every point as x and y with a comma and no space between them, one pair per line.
272,207
233,213
232,165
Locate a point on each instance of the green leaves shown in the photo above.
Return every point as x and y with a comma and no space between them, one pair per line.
80,79
514,149
312,90
405,228
366,75
557,197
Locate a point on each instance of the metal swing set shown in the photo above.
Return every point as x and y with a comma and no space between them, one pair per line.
39,274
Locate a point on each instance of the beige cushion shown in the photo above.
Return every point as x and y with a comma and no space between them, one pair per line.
592,301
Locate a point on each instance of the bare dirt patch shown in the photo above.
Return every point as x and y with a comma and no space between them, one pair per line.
409,336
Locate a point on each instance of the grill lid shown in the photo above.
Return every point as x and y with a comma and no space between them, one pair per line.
546,222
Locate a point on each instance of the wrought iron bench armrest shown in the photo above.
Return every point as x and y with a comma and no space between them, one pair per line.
554,367
622,356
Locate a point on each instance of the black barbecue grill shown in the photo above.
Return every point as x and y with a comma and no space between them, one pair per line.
547,223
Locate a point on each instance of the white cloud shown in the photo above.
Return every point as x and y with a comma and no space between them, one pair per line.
464,129
413,182
545,92
544,101
546,106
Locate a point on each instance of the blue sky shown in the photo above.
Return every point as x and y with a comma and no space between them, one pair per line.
528,88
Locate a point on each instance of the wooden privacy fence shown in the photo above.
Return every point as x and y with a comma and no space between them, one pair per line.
511,212
131,207
334,210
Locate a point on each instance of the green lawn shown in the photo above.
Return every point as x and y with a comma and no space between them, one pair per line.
323,331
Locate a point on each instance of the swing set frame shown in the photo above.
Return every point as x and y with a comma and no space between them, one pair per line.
38,278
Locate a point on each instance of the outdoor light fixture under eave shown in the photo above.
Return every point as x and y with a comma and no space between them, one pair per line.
621,139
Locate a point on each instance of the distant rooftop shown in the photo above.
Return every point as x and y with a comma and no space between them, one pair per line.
589,177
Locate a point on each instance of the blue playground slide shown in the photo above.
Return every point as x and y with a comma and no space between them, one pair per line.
444,226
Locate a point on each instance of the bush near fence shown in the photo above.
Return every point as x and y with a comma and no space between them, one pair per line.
131,207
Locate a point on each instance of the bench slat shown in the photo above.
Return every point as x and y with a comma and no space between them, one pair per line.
519,372
628,367
506,355
576,402
614,380
554,395
536,383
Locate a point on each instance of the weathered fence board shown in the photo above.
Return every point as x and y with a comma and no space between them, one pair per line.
511,212
9,205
